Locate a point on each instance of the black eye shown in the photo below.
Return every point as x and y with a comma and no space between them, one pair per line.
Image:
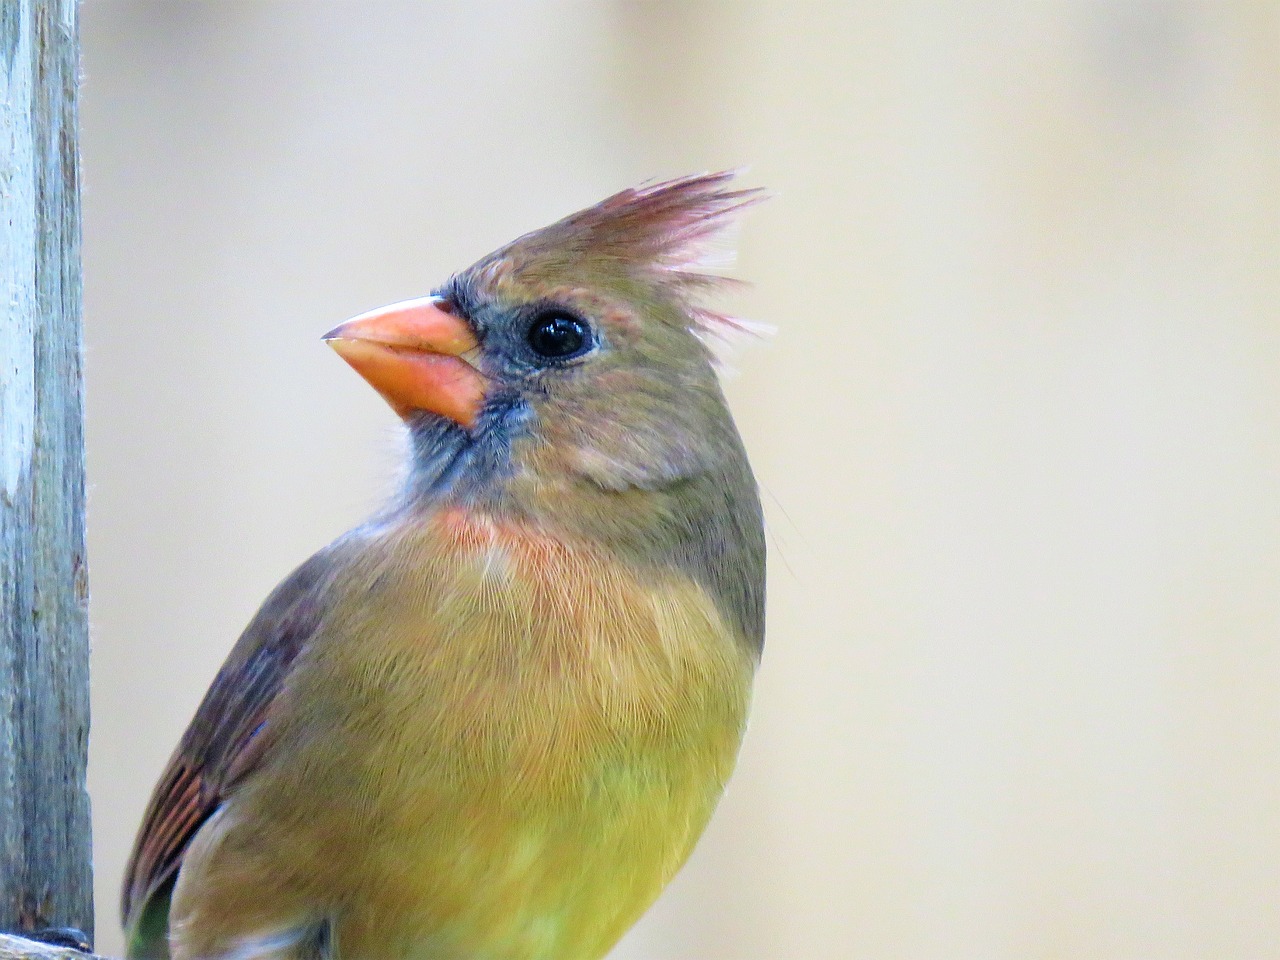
559,335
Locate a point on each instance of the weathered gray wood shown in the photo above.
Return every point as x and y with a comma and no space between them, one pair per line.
18,948
45,860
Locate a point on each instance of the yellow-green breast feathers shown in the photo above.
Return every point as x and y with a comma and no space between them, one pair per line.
534,738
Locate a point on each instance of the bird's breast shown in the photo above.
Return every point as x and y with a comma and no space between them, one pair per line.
518,739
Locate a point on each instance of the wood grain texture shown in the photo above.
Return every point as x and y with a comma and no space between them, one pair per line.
19,948
45,853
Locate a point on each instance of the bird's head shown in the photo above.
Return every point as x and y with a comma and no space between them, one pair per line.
575,355
564,382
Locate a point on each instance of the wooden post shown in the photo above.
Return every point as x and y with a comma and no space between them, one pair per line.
45,849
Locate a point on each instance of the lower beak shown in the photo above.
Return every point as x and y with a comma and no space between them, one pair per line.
412,353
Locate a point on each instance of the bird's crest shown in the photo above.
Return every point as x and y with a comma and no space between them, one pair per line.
669,232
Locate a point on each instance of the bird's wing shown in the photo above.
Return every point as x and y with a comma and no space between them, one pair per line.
223,741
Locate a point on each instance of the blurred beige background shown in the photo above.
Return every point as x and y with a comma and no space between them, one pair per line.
1019,430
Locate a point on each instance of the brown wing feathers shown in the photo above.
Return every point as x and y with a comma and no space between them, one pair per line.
220,743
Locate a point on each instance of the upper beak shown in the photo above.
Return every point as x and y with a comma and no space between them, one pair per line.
412,353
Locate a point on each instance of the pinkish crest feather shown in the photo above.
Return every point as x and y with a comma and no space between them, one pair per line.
664,231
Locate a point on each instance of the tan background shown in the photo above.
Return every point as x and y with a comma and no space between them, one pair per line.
1019,430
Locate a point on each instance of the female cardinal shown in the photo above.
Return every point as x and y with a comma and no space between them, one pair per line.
491,722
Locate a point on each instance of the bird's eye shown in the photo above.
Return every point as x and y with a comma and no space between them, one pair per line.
559,335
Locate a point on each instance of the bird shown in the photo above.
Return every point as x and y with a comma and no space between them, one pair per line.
492,721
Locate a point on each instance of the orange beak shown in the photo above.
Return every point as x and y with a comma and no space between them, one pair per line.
412,353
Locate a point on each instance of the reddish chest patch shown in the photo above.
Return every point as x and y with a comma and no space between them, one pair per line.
533,552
